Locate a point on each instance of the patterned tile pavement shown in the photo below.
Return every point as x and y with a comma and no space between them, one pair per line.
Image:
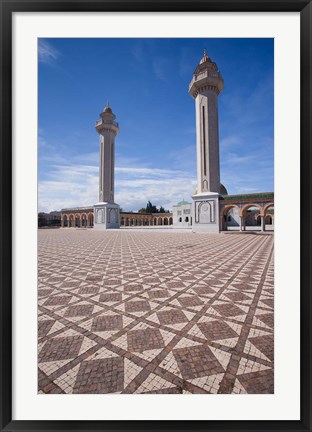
155,312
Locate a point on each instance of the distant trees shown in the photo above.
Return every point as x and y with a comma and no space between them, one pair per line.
150,208
52,219
42,221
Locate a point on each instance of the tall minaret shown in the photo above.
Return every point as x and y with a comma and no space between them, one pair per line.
106,212
108,129
205,87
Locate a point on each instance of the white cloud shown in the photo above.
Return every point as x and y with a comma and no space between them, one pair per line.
231,141
233,159
76,184
246,177
184,158
43,144
87,158
146,172
46,52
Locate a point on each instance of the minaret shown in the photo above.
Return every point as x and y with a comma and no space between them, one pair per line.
108,129
205,87
106,212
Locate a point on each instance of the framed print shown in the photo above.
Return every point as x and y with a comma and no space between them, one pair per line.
155,234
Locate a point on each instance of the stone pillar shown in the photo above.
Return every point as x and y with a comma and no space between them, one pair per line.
205,87
62,222
241,223
106,212
262,223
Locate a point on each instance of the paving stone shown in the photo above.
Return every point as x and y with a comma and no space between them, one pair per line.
141,340
190,301
138,306
155,312
228,310
89,290
106,323
197,361
58,300
100,376
216,330
79,310
44,327
173,316
60,348
156,294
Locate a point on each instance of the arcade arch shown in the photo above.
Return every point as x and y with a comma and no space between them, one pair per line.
83,220
90,219
268,214
249,216
65,221
71,221
230,217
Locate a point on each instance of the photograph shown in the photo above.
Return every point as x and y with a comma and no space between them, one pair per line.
155,216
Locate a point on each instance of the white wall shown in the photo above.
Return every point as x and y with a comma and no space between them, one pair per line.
182,215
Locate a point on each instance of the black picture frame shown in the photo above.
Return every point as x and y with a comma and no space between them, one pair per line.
7,8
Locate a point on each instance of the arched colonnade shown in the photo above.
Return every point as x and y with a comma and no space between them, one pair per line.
77,220
132,219
85,219
251,214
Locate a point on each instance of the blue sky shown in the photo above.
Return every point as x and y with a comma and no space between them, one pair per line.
146,83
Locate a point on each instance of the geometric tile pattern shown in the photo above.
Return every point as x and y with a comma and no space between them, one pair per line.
141,340
108,322
79,310
141,311
172,316
215,330
197,361
100,376
60,348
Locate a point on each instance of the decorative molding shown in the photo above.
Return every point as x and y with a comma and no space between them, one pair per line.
205,212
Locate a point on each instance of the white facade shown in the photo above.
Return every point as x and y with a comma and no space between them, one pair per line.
206,212
182,215
106,215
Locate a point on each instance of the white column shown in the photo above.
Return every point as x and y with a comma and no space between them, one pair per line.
241,223
262,223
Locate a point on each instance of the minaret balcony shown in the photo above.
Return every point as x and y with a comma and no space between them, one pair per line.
102,125
99,122
206,79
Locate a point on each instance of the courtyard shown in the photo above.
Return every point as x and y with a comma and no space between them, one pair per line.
125,311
